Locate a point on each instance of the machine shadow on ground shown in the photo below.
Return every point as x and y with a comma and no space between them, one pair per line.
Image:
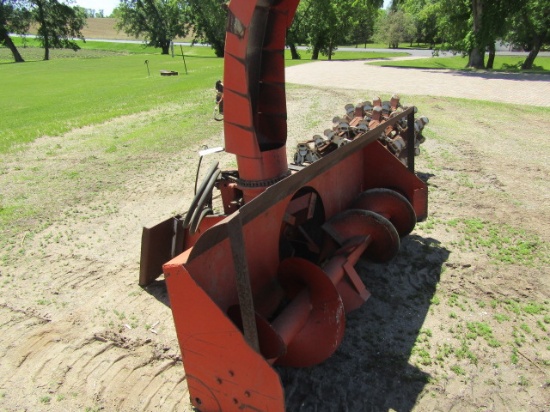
158,290
370,371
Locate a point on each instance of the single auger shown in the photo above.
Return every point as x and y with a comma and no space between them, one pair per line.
310,326
391,205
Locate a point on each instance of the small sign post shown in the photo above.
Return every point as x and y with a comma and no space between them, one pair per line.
183,57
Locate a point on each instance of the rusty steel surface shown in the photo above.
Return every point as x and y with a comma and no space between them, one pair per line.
390,204
159,243
270,280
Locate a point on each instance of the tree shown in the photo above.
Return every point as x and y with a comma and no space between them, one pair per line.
332,29
473,26
426,16
530,28
95,14
394,27
334,22
463,30
296,34
363,20
58,25
488,17
159,21
454,24
208,18
477,49
309,29
115,14
15,17
395,4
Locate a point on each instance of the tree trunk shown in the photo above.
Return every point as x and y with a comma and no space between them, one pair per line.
528,63
44,30
6,39
492,53
477,59
294,51
477,53
46,48
315,53
219,49
165,49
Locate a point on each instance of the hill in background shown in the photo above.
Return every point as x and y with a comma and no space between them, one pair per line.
104,28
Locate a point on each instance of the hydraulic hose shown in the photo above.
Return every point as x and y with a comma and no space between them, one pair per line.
206,192
211,171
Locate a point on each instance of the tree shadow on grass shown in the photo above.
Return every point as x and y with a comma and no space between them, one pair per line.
371,370
542,76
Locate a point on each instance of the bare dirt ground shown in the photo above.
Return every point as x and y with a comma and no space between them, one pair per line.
457,321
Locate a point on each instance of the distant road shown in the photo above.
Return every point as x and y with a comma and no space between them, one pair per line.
413,52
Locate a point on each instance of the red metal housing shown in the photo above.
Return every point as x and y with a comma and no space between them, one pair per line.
271,282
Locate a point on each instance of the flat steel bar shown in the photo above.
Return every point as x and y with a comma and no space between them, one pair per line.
410,142
244,290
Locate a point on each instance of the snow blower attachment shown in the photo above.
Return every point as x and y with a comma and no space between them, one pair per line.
269,281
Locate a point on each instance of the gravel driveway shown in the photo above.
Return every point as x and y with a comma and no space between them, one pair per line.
523,88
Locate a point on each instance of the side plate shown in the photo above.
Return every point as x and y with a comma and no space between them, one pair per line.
159,244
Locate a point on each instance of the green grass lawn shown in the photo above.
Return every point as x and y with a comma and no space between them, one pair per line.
502,63
52,97
106,80
102,81
30,50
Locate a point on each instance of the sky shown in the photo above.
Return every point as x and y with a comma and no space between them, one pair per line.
108,5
